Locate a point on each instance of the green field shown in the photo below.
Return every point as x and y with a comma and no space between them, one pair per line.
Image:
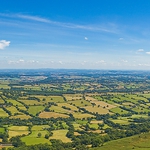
33,138
138,142
17,131
3,113
60,135
35,109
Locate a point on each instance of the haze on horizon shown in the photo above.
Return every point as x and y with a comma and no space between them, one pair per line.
97,34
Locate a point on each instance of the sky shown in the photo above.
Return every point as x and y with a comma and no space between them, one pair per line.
75,34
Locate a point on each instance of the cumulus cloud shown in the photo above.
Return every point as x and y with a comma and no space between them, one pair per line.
85,38
148,53
4,43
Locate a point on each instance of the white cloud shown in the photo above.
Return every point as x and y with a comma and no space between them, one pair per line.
60,62
21,60
100,61
109,28
148,53
85,38
34,18
140,50
125,61
4,43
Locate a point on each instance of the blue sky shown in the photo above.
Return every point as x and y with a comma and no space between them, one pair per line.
75,34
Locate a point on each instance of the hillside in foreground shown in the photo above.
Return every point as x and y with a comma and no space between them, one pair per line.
138,142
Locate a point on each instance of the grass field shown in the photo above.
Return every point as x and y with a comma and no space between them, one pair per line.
2,130
118,110
17,130
30,102
100,103
33,138
73,108
13,110
4,86
80,103
99,110
82,115
60,135
35,109
120,121
1,101
73,96
3,113
14,102
39,127
60,109
77,126
138,142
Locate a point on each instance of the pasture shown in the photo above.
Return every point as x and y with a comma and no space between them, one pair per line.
138,142
35,109
33,138
60,135
17,131
3,113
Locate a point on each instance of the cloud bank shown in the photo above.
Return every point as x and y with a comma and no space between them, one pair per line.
3,44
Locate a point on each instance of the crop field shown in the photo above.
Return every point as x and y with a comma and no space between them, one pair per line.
96,109
101,103
80,103
1,101
96,121
17,131
52,115
60,110
118,110
79,115
22,117
13,110
71,97
60,135
121,121
3,113
4,86
30,102
15,103
77,126
73,108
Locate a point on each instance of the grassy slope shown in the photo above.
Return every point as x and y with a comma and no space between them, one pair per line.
138,142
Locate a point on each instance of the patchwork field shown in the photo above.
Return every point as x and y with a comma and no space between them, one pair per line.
3,113
52,115
17,131
60,135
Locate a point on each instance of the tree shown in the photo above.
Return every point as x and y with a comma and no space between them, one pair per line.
16,141
39,135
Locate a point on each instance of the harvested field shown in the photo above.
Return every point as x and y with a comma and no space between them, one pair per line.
52,115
